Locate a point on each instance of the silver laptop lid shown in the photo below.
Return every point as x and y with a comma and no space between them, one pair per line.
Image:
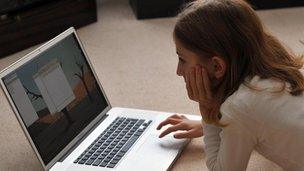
55,96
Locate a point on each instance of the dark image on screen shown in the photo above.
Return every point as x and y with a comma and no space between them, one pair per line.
56,96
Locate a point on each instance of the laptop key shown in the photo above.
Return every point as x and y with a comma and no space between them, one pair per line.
103,164
76,160
82,161
107,159
104,154
97,162
114,162
120,154
140,122
111,165
129,143
89,162
138,133
101,157
117,158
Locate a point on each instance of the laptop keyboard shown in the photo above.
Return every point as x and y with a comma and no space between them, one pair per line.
113,143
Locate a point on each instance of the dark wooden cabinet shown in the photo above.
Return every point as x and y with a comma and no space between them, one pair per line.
25,28
144,9
165,8
268,4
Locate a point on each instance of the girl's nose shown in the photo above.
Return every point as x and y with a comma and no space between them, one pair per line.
179,72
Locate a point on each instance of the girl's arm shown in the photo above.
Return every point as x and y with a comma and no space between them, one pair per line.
228,148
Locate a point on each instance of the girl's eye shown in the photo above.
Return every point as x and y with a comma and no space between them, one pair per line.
180,59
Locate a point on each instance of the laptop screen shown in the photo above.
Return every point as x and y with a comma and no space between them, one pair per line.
56,95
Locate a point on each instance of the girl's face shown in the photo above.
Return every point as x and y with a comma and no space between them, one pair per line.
215,66
188,59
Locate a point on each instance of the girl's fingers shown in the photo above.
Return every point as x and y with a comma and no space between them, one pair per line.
193,83
188,86
177,116
206,83
183,117
199,83
187,134
169,120
172,129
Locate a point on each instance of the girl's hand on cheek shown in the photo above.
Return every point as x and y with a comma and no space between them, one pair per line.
198,88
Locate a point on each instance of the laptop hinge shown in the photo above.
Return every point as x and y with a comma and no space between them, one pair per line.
81,139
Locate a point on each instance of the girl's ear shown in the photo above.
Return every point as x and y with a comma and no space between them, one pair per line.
219,66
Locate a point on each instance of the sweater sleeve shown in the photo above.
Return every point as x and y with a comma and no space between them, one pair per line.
228,148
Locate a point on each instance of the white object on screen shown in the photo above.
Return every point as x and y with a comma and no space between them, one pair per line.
54,86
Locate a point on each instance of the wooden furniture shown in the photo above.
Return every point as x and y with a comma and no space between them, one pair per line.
31,26
156,8
144,9
262,4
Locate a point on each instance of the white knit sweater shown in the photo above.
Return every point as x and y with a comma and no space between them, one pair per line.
266,121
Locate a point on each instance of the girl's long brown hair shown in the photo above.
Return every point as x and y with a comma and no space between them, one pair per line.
231,30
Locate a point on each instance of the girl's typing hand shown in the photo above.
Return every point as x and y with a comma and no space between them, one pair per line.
190,128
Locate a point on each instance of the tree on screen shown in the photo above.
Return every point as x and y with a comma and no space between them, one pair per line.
33,96
81,76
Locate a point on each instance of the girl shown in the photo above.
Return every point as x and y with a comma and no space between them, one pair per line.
249,87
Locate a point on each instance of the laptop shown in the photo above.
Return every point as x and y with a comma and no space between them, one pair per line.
68,120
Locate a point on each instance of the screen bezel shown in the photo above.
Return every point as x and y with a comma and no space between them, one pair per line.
31,56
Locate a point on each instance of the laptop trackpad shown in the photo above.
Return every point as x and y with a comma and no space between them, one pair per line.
166,143
158,153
